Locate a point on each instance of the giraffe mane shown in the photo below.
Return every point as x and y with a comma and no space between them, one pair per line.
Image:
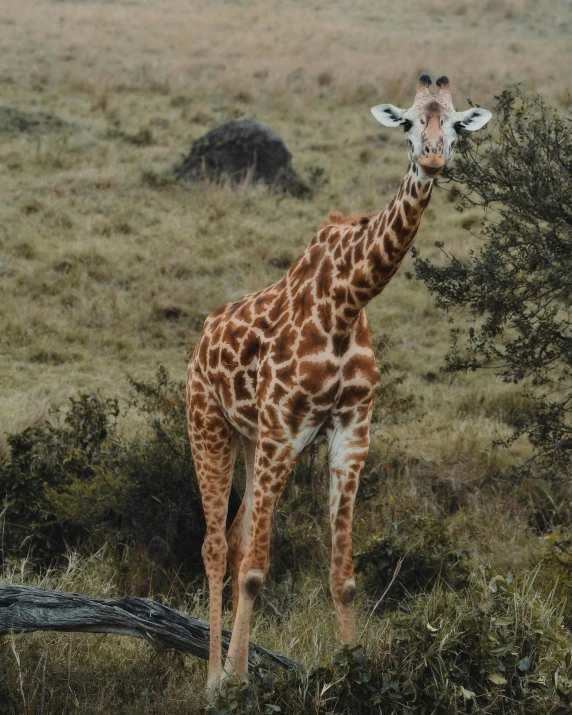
337,218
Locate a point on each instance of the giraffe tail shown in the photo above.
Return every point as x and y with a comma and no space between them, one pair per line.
234,502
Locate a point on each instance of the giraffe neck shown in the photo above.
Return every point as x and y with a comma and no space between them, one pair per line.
377,248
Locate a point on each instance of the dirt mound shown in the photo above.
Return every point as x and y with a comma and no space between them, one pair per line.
240,151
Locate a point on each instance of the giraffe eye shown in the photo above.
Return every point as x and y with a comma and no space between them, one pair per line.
406,125
458,126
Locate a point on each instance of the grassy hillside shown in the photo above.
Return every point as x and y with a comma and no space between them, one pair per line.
107,271
108,268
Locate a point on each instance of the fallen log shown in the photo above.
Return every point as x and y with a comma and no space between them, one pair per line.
25,609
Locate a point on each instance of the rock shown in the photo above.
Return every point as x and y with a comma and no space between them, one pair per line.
243,150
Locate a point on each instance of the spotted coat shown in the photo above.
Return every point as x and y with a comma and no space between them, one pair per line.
281,369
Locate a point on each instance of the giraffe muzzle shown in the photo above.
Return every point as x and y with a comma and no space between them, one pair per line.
431,159
431,171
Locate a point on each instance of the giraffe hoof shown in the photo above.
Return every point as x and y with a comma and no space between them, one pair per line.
212,690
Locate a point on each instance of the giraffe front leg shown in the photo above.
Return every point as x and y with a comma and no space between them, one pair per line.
273,463
347,451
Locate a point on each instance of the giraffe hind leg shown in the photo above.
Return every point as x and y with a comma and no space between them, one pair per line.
237,540
213,444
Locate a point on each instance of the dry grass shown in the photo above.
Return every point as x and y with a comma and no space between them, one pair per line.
108,267
97,252
84,673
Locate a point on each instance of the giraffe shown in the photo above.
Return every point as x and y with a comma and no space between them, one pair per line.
292,365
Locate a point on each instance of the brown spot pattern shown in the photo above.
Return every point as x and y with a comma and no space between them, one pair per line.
284,366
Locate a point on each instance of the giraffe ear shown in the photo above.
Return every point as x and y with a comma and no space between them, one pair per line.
473,119
389,115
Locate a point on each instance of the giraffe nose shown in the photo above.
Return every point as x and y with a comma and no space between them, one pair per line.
428,149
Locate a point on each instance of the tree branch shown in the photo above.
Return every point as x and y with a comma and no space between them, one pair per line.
25,609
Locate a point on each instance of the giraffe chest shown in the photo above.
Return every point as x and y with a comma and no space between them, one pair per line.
280,373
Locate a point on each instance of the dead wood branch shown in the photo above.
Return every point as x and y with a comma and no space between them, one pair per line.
25,609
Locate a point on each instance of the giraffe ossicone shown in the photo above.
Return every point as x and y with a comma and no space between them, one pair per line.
293,364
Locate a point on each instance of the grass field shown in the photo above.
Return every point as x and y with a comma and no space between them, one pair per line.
98,247
108,266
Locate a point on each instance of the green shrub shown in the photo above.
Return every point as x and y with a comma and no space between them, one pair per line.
514,289
48,457
301,523
414,553
496,646
75,480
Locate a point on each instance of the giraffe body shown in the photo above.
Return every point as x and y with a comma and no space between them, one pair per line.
285,367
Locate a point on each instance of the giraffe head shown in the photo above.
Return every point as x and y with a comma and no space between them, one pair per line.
431,124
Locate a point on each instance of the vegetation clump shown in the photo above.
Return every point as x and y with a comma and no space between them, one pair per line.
17,121
75,480
515,287
48,459
411,556
495,646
